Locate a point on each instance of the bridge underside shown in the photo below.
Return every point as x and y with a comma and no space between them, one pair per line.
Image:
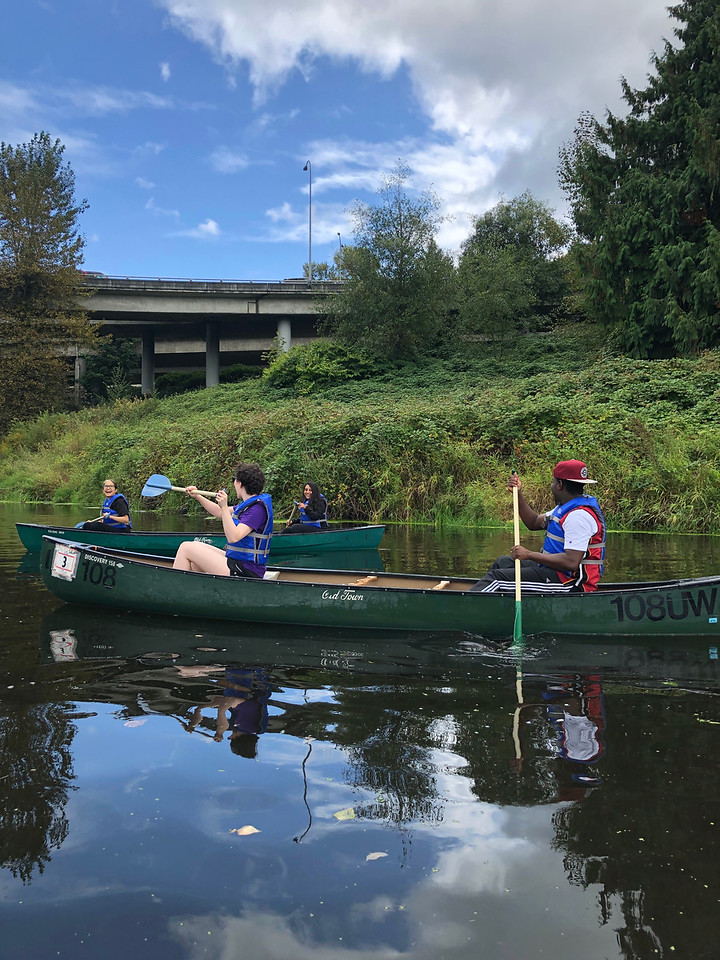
187,324
196,343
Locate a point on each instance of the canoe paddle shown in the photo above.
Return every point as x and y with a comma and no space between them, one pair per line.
94,520
157,484
517,629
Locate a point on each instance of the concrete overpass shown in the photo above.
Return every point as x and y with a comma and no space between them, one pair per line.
191,323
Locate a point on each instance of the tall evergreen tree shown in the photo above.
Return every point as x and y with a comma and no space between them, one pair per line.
41,316
645,192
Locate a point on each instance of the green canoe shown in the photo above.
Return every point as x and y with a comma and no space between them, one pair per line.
166,544
79,573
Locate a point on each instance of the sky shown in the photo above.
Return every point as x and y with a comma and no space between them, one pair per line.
188,122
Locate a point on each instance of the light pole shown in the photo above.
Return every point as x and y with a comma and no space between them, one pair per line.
308,169
339,241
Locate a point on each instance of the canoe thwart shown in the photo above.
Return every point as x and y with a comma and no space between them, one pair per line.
362,582
441,585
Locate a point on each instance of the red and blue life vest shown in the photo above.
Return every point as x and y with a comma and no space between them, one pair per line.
591,567
111,522
255,546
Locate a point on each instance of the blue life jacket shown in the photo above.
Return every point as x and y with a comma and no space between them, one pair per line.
304,518
111,522
255,546
591,568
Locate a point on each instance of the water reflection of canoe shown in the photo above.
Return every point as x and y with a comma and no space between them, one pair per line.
162,544
85,633
385,601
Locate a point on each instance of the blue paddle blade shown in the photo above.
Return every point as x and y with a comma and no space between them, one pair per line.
156,485
78,525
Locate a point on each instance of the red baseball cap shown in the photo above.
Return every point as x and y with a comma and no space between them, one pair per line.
574,470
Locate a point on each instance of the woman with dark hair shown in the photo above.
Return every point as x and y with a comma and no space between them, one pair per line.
313,512
248,528
115,513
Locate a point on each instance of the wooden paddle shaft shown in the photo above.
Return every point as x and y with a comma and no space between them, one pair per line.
203,493
516,531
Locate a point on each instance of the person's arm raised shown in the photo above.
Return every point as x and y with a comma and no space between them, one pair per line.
233,531
208,505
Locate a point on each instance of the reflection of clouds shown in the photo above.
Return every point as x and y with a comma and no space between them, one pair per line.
262,937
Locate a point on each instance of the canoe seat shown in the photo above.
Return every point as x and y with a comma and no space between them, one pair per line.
271,575
362,582
441,585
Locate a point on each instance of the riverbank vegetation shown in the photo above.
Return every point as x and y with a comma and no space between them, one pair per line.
414,442
542,341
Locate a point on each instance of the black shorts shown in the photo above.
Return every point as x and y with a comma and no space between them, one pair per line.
237,569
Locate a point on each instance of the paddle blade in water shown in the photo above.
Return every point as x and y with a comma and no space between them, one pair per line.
517,630
156,485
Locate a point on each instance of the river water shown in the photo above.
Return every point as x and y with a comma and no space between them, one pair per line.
184,789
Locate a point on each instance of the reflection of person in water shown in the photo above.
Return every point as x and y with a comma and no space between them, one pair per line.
242,709
576,708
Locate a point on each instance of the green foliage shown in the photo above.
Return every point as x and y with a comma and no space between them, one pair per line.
509,267
40,289
431,442
180,381
114,362
497,297
646,200
323,270
510,275
399,286
321,363
119,386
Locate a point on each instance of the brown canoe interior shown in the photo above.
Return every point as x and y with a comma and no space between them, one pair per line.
332,578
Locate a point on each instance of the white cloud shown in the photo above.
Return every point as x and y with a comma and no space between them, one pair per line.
160,211
100,101
282,214
144,184
165,71
207,230
500,84
265,120
149,148
224,160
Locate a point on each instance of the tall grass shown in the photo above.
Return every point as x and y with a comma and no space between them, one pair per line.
432,443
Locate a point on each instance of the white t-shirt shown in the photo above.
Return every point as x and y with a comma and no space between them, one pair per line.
579,527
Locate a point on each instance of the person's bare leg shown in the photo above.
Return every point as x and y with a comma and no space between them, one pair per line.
201,557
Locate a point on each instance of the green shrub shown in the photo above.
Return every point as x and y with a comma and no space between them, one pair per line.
181,381
322,363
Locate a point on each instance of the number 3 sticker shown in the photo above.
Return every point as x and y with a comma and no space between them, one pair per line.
64,563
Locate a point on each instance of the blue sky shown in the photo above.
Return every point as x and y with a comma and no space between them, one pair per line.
188,122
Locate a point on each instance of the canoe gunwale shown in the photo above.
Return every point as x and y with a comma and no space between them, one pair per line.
298,576
166,542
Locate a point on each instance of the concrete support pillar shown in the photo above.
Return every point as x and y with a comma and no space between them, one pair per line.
284,332
212,355
80,367
147,377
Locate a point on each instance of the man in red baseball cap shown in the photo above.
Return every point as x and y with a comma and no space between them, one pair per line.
573,552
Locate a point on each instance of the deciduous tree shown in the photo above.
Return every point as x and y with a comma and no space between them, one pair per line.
399,285
645,193
510,274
